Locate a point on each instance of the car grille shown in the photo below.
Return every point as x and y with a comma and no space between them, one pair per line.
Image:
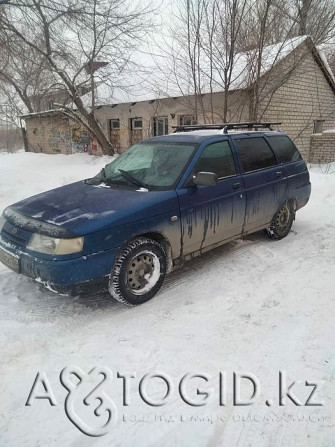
14,234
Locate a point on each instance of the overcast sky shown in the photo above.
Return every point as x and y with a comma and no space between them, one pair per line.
151,81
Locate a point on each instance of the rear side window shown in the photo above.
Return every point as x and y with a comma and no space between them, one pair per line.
217,158
255,153
284,148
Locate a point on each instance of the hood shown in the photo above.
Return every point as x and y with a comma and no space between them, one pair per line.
82,208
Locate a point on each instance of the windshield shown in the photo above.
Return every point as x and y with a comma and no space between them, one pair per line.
148,165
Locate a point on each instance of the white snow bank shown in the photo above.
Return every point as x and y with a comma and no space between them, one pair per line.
25,174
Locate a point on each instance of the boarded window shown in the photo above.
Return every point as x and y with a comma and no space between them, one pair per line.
255,153
187,120
136,132
114,137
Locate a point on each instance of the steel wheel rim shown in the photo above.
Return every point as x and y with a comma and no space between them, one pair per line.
283,219
143,272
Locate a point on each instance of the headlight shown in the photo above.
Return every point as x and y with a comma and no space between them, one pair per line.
54,246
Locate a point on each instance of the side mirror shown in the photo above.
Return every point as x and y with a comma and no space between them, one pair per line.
205,179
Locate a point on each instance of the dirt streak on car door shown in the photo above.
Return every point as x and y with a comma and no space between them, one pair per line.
210,214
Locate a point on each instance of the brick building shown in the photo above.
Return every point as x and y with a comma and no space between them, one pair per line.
296,88
51,132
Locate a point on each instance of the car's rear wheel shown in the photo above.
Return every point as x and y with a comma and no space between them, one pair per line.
282,222
138,272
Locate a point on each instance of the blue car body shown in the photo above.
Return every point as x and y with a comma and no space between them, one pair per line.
187,220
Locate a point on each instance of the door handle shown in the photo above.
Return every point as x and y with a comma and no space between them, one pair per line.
279,174
237,185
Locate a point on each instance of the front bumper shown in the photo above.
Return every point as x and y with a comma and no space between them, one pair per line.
87,288
59,275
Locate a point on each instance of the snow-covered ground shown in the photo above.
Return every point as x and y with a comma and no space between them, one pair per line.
255,306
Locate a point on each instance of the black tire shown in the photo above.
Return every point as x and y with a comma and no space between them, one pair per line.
129,278
282,222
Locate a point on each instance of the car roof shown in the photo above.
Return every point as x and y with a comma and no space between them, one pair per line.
198,136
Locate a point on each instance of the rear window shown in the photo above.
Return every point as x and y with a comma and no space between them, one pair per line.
284,148
255,153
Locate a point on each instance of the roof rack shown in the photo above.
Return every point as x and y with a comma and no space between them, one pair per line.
224,126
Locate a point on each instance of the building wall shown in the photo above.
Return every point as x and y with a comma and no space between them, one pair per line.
56,134
49,134
303,98
296,98
173,109
322,147
80,140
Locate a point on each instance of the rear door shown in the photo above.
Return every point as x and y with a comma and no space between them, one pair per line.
291,162
210,214
264,180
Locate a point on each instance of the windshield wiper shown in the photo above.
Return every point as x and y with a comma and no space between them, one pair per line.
95,181
132,179
102,178
103,173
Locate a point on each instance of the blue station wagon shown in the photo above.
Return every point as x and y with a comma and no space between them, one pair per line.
164,200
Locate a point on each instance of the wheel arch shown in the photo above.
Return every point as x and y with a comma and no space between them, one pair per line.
293,202
161,239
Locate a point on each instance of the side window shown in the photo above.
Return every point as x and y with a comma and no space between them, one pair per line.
255,153
284,148
217,158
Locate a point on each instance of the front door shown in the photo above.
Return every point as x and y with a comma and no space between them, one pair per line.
114,136
211,214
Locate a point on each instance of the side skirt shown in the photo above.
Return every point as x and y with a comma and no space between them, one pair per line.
179,261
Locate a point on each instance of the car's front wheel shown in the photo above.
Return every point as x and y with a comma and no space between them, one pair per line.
138,272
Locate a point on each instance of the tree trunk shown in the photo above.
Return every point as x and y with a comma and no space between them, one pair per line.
106,146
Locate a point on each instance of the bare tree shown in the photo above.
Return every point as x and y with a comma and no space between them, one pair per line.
24,75
223,24
315,18
291,18
260,29
75,38
202,54
186,53
265,38
231,45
